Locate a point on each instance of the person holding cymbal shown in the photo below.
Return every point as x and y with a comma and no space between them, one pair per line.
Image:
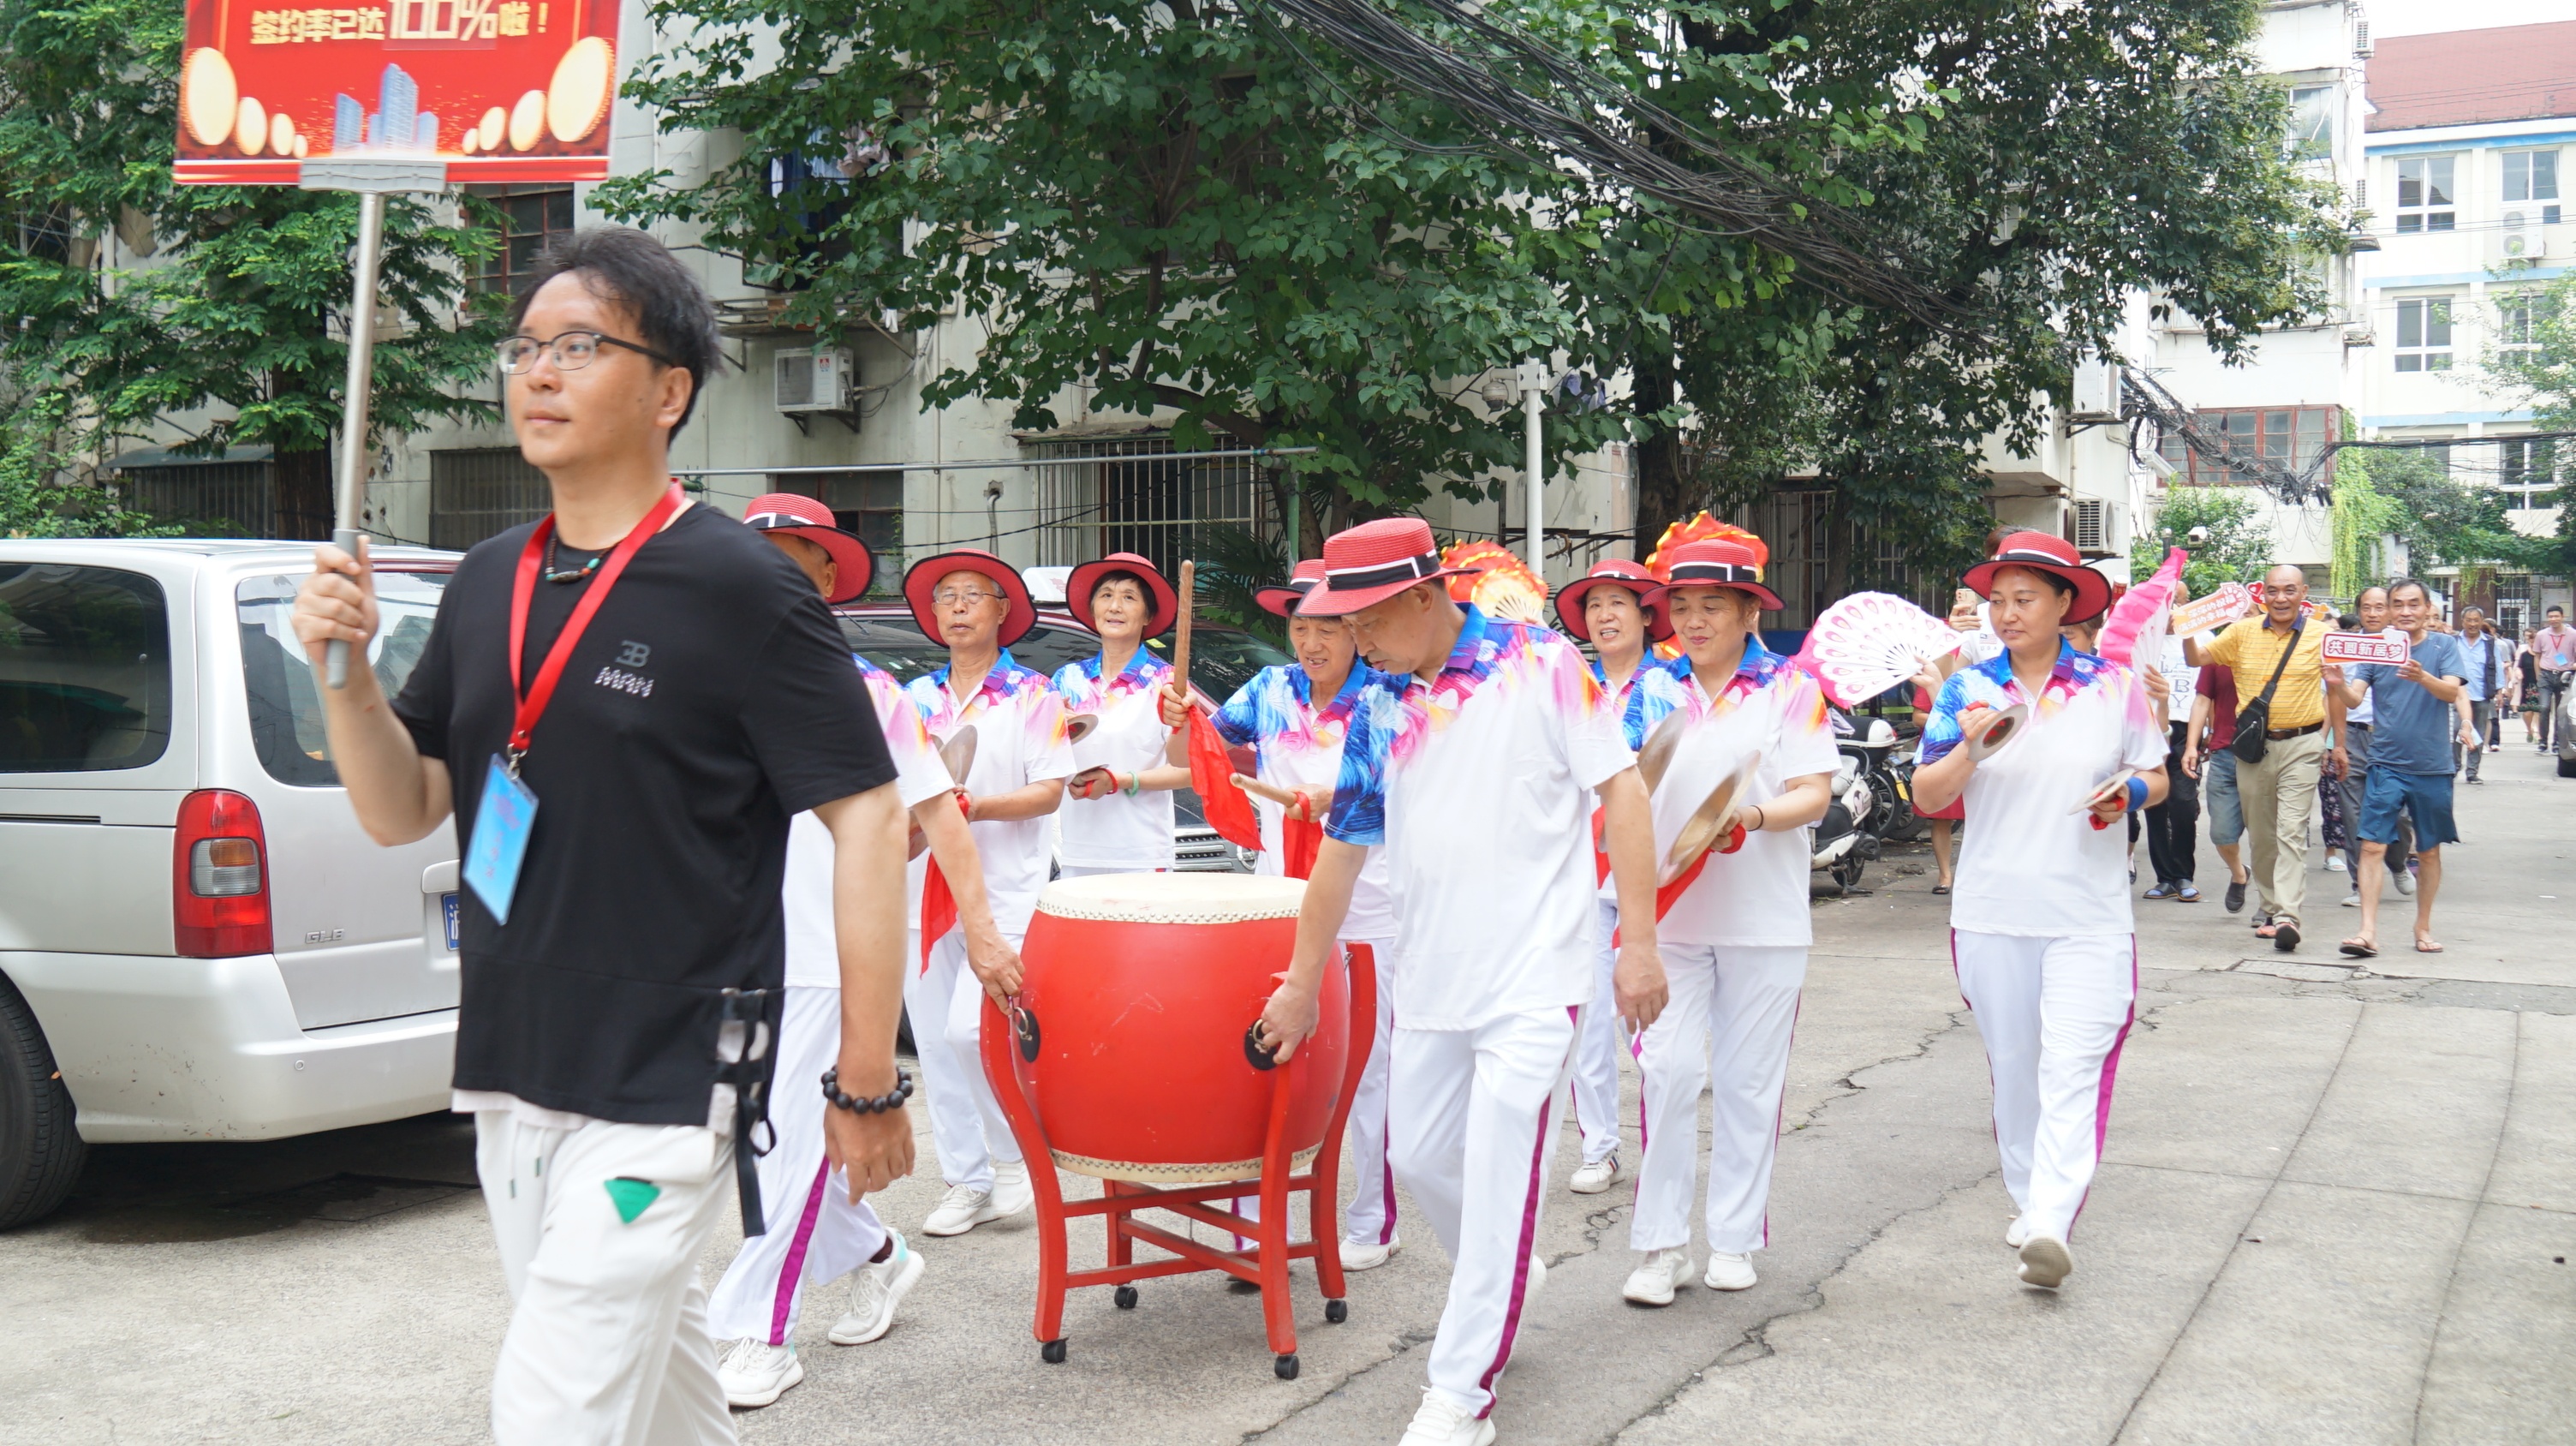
1118,818
2041,933
1735,939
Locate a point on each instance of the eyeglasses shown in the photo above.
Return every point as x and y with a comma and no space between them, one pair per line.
950,597
571,350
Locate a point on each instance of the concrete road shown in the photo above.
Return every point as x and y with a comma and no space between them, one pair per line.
2338,1207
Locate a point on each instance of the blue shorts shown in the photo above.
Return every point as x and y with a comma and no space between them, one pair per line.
2425,795
2218,796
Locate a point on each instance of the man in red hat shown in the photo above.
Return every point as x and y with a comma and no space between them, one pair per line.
1617,607
822,1233
974,603
2041,932
1120,817
1473,766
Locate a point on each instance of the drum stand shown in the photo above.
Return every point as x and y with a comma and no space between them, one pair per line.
1265,1263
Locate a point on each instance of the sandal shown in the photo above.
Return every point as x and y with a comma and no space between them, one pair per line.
2187,894
2426,946
2265,930
2162,890
2360,948
1940,889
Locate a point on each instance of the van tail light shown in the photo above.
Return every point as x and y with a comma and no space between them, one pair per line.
219,883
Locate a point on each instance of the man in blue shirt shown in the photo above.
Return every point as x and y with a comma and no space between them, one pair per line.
2410,758
2486,658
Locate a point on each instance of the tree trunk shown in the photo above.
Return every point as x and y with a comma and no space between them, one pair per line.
1662,498
304,512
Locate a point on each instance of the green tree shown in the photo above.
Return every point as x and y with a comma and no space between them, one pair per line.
225,329
40,494
2443,521
2233,541
2534,365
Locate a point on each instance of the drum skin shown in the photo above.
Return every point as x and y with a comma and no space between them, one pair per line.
1141,1072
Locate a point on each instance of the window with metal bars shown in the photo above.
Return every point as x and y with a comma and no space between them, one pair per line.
480,492
530,217
867,502
1127,495
2292,437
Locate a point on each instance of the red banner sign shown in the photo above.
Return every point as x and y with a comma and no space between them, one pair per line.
2364,648
497,90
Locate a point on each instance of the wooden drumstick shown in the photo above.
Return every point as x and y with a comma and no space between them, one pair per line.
1287,798
1181,643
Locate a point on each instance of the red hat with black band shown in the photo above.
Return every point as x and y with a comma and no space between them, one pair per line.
923,576
1083,581
2055,556
1615,572
853,565
1282,601
1716,562
1367,564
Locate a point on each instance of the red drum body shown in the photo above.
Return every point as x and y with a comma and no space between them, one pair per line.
1140,989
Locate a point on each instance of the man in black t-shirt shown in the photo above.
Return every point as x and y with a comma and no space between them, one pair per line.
624,797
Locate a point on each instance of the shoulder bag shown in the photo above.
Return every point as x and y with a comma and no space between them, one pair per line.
2250,724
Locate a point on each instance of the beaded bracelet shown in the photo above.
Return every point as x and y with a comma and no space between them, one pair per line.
891,1100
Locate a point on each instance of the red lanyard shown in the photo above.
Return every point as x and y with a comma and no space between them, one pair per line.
532,701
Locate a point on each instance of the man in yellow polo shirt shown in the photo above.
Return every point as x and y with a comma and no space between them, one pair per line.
2278,792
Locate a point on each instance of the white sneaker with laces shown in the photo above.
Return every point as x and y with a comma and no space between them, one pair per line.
1728,1272
1653,1282
755,1373
875,1290
2017,1232
1442,1422
1368,1254
962,1209
1012,1192
2045,1261
1595,1176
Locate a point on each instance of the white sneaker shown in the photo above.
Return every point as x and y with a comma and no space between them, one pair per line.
1728,1272
2017,1232
1653,1282
2405,881
1012,1192
1368,1254
1441,1423
2045,1261
875,1290
2352,901
2334,863
962,1209
1595,1176
755,1373
1536,1281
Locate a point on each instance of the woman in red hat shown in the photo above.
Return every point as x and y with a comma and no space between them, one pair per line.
1119,818
1617,607
1735,937
2040,928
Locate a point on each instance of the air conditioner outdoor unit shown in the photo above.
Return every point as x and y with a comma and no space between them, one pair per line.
2092,525
2361,39
2097,392
811,379
2519,240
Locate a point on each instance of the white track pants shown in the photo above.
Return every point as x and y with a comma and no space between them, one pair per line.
1371,1218
816,1235
1596,1050
608,1342
1469,1132
1727,1024
2053,1013
946,1004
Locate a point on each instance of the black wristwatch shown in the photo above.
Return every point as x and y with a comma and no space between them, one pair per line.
891,1100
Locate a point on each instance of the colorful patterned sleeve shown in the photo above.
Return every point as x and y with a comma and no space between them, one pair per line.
1941,730
1043,714
1239,721
919,772
1806,733
1359,795
1596,742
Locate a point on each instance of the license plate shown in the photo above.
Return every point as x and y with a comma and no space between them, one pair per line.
447,910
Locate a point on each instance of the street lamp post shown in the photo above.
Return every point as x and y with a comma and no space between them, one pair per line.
1532,378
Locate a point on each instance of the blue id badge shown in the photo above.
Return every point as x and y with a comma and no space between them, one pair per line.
502,822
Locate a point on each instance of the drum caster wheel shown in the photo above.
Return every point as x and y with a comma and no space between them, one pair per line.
1126,1297
1337,1311
1286,1366
1052,1352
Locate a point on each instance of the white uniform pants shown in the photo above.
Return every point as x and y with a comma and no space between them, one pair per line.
1596,1051
607,1343
816,1235
2053,1013
946,1004
1371,1219
1728,1024
1469,1132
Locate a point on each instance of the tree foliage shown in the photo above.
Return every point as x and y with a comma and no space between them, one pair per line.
2237,546
2538,371
36,500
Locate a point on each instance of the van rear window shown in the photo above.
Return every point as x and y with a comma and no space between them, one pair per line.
285,701
84,668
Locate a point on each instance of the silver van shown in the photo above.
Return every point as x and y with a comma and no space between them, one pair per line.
197,941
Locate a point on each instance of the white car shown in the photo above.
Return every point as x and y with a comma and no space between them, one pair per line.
197,941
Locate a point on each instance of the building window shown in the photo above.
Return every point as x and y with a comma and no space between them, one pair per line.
2311,122
2263,438
530,216
2527,472
1124,495
480,492
868,503
2424,192
2531,182
2519,315
2424,334
206,499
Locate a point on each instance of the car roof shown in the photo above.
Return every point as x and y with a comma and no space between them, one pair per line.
221,549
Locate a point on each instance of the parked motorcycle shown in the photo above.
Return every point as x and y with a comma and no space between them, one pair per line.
1844,843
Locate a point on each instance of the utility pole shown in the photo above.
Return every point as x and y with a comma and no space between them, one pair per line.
1532,378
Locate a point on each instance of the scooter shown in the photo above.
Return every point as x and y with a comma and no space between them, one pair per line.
1843,842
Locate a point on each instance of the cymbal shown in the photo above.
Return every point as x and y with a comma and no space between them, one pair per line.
2105,789
1657,755
1078,726
2007,722
1710,822
959,754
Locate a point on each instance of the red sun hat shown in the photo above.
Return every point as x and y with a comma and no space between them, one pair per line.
2041,552
1372,562
924,575
806,518
1282,601
1083,581
1615,572
1715,562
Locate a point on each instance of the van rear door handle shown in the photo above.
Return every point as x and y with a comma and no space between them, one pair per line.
439,878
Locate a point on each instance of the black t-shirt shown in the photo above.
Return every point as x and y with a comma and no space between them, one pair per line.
709,700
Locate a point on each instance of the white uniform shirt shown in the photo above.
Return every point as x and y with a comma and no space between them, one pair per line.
1478,784
1299,745
1117,832
813,945
2031,864
1018,718
1755,897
